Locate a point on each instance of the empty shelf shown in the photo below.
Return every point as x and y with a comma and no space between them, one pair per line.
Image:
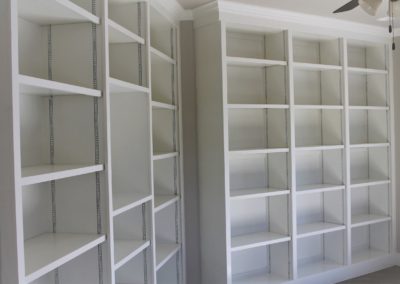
259,278
259,151
253,62
367,71
318,188
369,182
126,250
317,267
46,12
127,201
257,193
316,107
312,229
367,219
165,252
320,148
258,106
44,173
370,145
316,67
158,105
257,240
119,34
49,251
161,56
367,254
163,201
162,156
121,87
41,87
383,108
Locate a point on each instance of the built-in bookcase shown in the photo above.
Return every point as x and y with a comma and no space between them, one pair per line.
295,152
96,143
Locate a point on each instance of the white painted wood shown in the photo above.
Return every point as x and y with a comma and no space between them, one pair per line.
162,156
119,34
126,250
365,220
257,106
259,151
122,87
159,55
49,251
312,229
367,71
242,194
249,241
126,201
165,252
39,174
163,201
158,105
54,12
318,67
36,86
318,188
252,62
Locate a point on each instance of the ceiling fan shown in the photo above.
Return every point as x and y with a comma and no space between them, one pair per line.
371,7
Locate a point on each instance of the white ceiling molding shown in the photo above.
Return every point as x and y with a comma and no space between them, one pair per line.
233,12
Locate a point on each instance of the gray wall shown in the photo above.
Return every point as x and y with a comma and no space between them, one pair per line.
189,121
396,75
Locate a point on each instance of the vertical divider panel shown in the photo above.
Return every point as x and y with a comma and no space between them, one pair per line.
226,151
347,176
108,173
292,152
391,157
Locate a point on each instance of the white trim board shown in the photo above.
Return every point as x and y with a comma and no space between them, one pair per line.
252,15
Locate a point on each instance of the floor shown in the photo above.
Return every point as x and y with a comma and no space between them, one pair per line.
386,276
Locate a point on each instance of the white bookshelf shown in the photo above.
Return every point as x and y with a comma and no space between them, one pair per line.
294,149
84,202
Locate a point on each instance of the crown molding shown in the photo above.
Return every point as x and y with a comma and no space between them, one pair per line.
245,14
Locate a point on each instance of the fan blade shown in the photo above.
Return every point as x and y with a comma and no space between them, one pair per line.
347,7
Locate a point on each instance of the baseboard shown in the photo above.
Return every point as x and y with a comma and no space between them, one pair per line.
349,272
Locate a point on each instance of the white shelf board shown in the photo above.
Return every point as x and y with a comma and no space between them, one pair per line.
367,219
316,67
41,87
370,145
44,173
254,240
253,62
122,87
320,148
163,156
313,229
120,34
127,201
382,108
159,105
317,188
367,254
367,71
165,252
317,267
259,151
160,55
46,12
113,2
369,182
125,250
251,193
257,106
49,251
317,107
259,277
163,201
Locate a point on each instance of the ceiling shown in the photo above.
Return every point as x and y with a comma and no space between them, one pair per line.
314,7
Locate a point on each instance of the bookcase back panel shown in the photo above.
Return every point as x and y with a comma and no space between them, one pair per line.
370,200
167,274
256,45
124,61
368,89
368,240
134,270
162,87
161,33
165,225
164,177
129,225
316,51
317,87
364,55
319,167
127,15
368,126
163,131
369,163
130,143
